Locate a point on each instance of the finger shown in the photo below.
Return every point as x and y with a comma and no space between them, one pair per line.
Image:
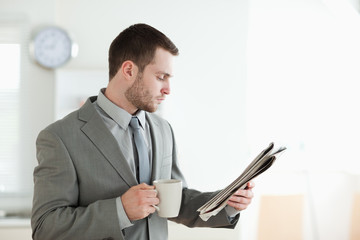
149,197
145,186
152,193
151,201
241,200
146,211
237,206
244,193
152,209
148,193
239,203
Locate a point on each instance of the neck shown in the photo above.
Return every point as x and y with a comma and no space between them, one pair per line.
120,100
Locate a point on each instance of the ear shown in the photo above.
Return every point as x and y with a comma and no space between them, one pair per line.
129,70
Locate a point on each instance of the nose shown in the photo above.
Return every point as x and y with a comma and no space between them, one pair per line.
165,90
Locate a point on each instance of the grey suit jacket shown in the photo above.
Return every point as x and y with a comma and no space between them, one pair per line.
82,171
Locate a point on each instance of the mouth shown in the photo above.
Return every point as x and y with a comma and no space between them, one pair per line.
160,99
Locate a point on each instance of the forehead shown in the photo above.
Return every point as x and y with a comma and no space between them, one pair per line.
162,62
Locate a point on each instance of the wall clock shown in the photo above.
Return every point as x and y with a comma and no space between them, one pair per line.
52,47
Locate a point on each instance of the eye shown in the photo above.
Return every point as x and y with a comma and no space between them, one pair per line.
160,78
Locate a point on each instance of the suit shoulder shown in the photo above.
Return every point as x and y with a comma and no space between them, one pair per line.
69,120
74,119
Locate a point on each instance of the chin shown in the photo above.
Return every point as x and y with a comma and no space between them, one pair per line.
151,109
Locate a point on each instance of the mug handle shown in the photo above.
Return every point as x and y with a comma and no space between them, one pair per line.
156,207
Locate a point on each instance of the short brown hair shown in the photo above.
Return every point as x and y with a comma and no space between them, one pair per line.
137,43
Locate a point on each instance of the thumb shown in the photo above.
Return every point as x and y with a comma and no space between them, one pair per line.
250,185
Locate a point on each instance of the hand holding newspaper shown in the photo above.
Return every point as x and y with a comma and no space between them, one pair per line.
259,165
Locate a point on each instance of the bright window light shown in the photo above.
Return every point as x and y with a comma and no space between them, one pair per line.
10,176
9,66
303,75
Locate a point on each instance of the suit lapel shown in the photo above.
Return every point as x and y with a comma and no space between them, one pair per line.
157,141
102,138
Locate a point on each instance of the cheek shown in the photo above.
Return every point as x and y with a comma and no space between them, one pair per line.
154,88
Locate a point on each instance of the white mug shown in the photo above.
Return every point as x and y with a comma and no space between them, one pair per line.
169,191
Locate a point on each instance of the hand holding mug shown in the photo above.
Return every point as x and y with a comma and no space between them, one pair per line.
139,200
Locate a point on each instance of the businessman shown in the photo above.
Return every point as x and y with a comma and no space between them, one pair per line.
93,180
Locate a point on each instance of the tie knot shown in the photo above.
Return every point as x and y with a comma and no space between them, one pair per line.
134,123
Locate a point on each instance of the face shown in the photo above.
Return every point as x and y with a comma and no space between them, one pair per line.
152,85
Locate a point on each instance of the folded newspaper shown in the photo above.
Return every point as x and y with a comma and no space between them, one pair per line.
260,164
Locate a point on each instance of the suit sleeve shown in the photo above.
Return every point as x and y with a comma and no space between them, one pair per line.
193,200
56,213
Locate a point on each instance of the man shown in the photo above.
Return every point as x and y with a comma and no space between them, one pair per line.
88,182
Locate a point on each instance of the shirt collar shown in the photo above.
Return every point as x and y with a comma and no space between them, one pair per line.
119,115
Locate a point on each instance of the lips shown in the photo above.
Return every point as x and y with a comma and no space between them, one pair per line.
160,99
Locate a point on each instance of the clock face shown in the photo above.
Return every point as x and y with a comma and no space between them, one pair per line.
52,47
